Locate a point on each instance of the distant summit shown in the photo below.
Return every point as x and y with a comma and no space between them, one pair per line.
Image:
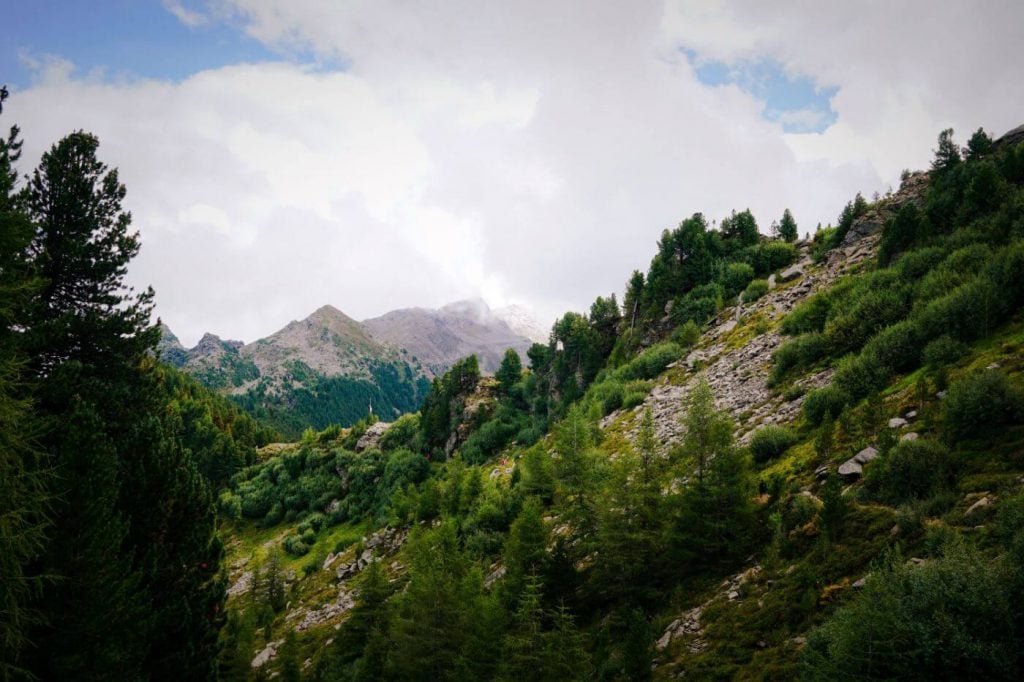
329,368
523,321
439,338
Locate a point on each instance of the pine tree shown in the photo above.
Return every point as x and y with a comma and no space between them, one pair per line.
510,371
525,550
133,546
788,227
23,498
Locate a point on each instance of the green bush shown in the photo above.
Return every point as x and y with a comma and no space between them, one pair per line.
295,546
897,347
755,290
798,353
770,442
982,401
774,255
686,334
914,265
968,312
953,618
913,470
736,277
650,363
871,310
829,400
943,351
859,375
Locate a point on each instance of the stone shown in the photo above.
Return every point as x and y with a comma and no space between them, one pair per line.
909,436
981,504
858,584
771,282
866,455
897,423
268,652
371,439
851,469
821,473
791,273
242,585
994,365
911,415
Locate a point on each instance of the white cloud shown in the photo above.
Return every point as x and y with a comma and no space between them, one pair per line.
524,151
188,17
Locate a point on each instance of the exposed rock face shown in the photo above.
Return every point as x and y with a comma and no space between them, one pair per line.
439,338
911,191
371,439
687,625
1014,136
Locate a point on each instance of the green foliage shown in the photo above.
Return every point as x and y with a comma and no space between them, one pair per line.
686,335
981,401
735,278
798,353
944,350
913,470
649,363
770,442
952,618
510,371
443,404
821,402
755,290
787,227
896,348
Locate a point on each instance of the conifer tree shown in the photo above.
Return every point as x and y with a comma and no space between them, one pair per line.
788,227
23,500
133,545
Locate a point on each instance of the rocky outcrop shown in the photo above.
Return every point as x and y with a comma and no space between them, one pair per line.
1011,137
371,438
912,190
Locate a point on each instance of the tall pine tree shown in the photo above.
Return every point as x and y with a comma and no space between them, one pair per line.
133,550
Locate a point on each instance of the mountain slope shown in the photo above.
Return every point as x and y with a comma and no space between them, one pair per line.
439,338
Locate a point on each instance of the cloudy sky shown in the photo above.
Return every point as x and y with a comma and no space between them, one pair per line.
377,154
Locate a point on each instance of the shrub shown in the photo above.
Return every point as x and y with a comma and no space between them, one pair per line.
775,255
736,277
913,470
650,363
860,375
943,351
404,433
897,347
955,617
755,290
981,401
771,441
294,546
829,400
686,334
914,265
966,313
803,351
873,309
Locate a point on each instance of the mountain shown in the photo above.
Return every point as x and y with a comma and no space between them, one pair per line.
438,338
331,369
522,321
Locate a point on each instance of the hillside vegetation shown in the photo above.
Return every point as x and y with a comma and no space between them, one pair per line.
773,460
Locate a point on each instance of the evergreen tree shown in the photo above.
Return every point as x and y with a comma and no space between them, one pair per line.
510,371
525,550
947,156
23,500
137,594
788,227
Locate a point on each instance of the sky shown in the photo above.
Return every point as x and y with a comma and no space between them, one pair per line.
380,154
